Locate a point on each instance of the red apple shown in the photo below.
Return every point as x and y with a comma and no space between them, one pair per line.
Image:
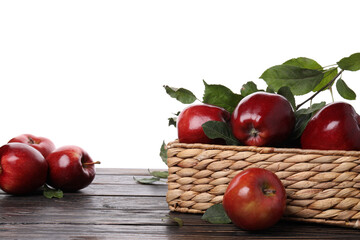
191,119
263,119
334,127
42,144
22,169
255,199
70,169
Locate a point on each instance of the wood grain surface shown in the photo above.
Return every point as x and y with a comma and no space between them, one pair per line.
114,206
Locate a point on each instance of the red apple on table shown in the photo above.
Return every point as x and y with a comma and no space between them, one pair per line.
23,169
191,119
42,144
70,169
334,127
263,119
255,199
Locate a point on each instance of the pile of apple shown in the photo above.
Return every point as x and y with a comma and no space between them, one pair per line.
268,119
255,198
28,162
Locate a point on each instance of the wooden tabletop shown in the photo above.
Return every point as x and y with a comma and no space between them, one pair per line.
114,206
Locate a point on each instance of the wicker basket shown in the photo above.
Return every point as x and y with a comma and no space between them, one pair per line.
321,186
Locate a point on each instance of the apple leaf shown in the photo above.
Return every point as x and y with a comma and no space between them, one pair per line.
221,96
150,180
163,152
248,88
217,129
159,174
351,63
303,62
328,76
52,193
216,214
177,220
312,109
299,80
286,92
344,90
181,94
302,117
173,120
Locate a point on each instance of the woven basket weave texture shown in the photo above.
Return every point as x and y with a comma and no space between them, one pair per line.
321,186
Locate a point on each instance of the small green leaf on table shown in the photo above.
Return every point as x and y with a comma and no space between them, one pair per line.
177,220
52,193
159,174
344,90
150,180
216,214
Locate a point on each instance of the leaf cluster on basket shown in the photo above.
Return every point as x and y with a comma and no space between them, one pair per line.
271,117
255,198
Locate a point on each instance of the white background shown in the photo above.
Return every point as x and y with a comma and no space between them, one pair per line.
91,73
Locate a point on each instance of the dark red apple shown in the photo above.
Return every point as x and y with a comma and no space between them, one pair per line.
334,127
70,169
42,144
263,119
191,119
255,199
22,169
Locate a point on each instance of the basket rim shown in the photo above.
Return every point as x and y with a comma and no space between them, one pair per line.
264,150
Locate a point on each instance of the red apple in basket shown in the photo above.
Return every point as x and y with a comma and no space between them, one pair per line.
189,124
255,199
70,169
42,144
23,169
263,119
334,127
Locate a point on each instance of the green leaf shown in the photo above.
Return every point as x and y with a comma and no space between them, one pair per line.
159,174
221,96
351,63
147,180
312,109
181,94
286,92
328,76
303,62
177,220
52,193
216,214
217,129
302,117
344,90
163,152
248,88
299,80
173,120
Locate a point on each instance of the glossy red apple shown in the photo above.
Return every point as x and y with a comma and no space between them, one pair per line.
263,119
191,119
42,144
334,127
70,169
255,199
22,169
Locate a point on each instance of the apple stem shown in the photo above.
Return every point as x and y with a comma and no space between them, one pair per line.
269,192
323,88
92,163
